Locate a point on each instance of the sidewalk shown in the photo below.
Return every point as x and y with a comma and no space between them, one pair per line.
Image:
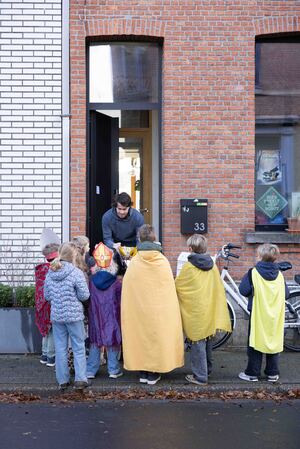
24,373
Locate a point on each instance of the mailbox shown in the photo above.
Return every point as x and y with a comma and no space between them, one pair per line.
193,213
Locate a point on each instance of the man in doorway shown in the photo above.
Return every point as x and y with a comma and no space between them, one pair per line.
121,223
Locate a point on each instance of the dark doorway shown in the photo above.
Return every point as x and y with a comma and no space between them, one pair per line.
103,169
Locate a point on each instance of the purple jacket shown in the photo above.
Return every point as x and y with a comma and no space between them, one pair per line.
104,310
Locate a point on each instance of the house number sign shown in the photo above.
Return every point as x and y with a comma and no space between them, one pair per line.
193,216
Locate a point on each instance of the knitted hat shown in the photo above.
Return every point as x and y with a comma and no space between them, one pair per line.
48,237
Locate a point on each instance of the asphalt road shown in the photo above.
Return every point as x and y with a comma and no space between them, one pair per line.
151,425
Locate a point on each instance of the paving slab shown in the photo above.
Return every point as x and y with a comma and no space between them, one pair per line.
25,373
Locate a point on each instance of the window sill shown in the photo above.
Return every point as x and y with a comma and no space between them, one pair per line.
272,237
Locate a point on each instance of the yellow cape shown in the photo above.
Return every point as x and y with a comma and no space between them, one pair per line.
267,316
152,333
202,302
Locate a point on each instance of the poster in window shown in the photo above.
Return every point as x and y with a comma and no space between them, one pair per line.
268,167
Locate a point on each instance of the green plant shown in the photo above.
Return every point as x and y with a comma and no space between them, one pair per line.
24,296
6,295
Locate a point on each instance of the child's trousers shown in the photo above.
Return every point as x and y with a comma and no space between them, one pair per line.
255,361
201,359
93,362
61,333
48,348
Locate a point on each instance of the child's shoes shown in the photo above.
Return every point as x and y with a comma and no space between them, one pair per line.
43,359
274,378
116,375
245,376
50,361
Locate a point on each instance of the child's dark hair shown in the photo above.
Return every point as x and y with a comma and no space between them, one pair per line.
50,251
146,233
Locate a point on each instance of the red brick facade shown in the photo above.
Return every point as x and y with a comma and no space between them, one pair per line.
208,105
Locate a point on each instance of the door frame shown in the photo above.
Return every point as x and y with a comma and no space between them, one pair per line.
155,138
146,162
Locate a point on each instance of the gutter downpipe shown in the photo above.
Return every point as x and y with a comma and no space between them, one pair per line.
65,122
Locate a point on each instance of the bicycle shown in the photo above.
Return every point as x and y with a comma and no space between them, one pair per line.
292,310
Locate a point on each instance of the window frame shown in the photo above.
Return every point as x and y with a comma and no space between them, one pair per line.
280,127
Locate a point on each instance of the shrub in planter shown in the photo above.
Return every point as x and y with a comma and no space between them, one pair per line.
18,332
6,296
24,296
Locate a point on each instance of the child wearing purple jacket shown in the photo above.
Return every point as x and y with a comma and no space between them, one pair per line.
104,318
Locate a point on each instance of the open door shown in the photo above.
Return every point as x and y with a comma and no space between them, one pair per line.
135,144
103,170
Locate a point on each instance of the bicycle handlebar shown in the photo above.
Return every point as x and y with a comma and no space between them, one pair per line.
231,246
225,254
233,255
225,251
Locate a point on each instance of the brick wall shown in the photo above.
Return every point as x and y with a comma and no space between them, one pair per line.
208,110
208,105
30,128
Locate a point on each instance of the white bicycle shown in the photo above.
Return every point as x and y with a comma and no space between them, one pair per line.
292,310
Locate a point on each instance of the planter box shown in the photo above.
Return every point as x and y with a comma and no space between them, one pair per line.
18,331
294,225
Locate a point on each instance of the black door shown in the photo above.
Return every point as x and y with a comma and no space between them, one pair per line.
103,170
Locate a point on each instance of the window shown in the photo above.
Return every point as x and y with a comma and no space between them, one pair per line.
277,143
124,72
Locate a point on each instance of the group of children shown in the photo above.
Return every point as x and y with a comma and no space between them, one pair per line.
70,279
200,290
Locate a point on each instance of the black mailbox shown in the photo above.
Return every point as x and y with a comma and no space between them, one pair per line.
193,214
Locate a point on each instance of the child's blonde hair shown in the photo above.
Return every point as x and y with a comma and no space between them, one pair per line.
67,253
198,243
268,252
81,242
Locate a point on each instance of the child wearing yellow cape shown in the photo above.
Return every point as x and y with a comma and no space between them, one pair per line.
203,306
265,287
150,316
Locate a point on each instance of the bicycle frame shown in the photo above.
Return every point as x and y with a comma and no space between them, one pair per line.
232,289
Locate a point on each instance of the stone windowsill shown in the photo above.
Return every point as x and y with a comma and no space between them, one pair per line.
272,237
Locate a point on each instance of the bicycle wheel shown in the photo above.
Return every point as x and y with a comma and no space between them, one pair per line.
221,337
292,333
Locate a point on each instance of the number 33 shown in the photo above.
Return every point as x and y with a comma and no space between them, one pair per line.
199,227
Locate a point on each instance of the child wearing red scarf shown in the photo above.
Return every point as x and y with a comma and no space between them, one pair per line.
42,307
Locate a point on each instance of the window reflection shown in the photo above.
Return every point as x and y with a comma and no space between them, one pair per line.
277,107
123,72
